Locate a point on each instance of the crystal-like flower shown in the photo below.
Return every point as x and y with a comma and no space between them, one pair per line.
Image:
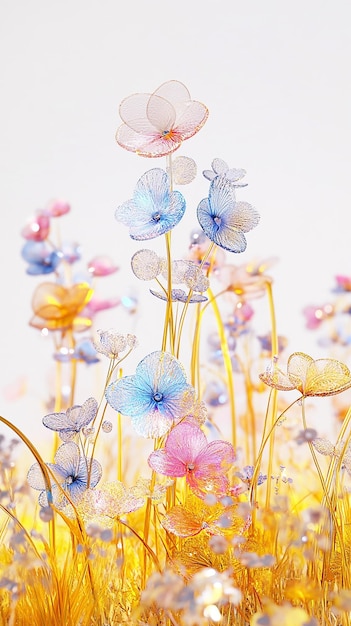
187,453
343,283
223,219
320,377
156,124
96,305
221,168
155,397
40,257
195,515
306,436
102,266
146,264
69,424
71,252
108,503
57,307
57,208
113,343
37,228
248,280
71,471
188,273
247,473
179,295
145,488
315,315
266,343
154,209
183,170
85,351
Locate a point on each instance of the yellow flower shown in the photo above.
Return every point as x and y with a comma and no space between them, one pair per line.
57,308
320,377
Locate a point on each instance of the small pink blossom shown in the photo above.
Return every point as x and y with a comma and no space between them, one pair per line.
102,266
187,453
37,228
56,208
315,315
343,282
97,304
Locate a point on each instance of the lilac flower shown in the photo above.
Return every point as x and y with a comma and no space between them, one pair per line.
154,209
71,471
220,168
69,424
223,219
156,397
246,475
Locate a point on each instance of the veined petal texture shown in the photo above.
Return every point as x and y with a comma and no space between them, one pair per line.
154,209
155,397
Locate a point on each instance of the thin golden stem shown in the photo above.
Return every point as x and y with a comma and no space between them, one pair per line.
274,398
227,365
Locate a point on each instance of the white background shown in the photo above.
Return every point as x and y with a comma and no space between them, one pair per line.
275,76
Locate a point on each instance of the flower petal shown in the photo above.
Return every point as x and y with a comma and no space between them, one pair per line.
327,377
245,217
129,396
154,210
67,458
186,442
181,522
152,424
165,463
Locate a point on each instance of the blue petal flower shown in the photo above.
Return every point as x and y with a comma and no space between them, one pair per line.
154,209
156,397
71,472
223,219
40,258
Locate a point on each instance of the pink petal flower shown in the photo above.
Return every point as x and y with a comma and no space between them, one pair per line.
156,124
166,464
56,208
217,456
97,304
183,445
37,229
343,282
187,453
315,315
102,266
